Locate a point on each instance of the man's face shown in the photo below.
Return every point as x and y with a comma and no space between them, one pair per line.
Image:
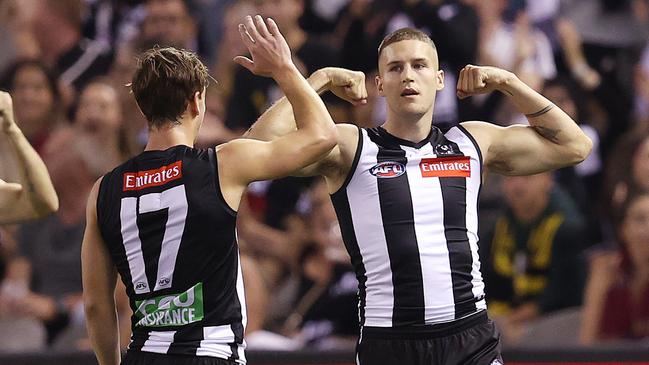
99,109
527,192
408,77
169,22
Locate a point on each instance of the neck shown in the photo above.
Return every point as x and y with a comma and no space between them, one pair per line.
411,127
170,135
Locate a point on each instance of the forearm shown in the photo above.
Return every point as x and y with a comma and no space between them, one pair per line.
548,120
103,332
40,194
279,120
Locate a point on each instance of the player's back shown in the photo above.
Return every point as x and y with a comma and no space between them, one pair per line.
172,238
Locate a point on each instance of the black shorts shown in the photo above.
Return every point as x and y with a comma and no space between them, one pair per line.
469,341
150,358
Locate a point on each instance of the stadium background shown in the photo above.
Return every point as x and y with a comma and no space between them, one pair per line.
67,64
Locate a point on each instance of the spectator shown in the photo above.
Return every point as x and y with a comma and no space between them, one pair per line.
254,94
616,302
168,23
531,255
99,124
37,101
627,172
510,41
16,38
58,32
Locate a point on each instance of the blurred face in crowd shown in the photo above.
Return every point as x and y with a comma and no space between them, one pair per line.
409,77
99,109
527,194
169,22
640,167
635,230
32,96
561,97
285,12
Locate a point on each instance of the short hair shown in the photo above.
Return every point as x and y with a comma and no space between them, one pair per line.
165,81
405,34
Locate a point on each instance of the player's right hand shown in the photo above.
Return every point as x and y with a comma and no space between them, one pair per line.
347,84
269,51
6,111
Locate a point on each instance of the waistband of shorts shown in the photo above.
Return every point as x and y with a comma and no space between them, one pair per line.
426,331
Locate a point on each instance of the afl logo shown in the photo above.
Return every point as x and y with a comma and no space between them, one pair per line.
388,169
141,285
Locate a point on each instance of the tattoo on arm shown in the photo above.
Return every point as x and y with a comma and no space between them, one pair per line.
547,133
540,112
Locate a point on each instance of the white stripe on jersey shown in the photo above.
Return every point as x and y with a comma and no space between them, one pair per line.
241,291
133,246
372,243
434,258
472,191
159,341
215,343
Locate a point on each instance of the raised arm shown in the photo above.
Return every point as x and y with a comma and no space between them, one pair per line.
552,140
99,277
244,160
278,120
33,196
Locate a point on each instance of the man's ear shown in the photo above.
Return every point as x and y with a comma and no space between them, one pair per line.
194,105
440,80
379,84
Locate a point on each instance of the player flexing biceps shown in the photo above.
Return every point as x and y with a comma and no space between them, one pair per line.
406,197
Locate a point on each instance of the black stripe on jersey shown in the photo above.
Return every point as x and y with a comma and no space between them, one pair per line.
475,144
344,214
397,213
137,341
151,229
457,241
237,329
217,184
192,331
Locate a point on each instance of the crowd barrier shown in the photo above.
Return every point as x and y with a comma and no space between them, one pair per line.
637,354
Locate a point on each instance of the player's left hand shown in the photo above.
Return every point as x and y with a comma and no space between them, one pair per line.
476,80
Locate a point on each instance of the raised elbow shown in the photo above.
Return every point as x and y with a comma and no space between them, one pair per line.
45,207
581,149
328,138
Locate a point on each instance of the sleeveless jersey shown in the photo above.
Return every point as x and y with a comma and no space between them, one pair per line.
172,238
409,220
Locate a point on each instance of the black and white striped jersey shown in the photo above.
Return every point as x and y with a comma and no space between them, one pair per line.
172,238
408,215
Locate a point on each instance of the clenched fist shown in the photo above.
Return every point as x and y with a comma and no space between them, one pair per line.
476,80
347,84
6,111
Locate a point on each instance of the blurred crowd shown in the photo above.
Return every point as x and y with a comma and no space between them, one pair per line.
568,248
